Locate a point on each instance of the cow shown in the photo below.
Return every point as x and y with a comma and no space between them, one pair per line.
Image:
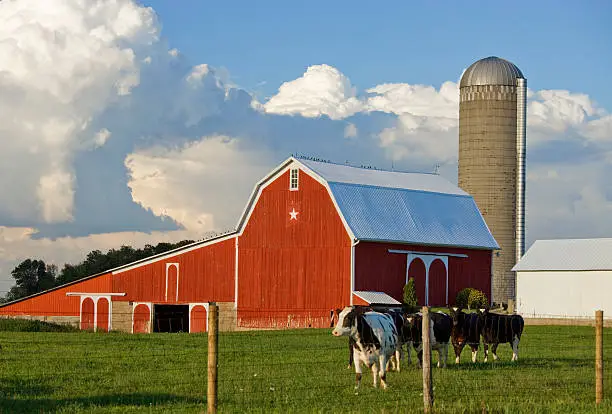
466,331
375,340
499,329
398,319
440,332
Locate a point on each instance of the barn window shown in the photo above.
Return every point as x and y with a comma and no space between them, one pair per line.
293,179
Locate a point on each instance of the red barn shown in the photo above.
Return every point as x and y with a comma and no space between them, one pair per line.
314,236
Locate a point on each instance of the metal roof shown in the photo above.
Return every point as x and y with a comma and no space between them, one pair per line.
412,216
491,71
567,254
339,173
376,297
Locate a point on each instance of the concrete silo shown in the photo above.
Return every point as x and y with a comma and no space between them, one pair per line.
492,143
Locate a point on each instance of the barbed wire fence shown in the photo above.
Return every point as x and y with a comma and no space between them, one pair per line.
283,369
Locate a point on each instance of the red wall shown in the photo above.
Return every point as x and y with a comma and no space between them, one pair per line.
56,303
205,274
378,270
292,272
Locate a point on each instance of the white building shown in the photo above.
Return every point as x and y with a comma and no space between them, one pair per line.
565,279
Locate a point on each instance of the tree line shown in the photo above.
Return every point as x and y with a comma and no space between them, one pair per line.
34,275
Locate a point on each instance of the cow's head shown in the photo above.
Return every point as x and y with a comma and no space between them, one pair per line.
455,314
346,322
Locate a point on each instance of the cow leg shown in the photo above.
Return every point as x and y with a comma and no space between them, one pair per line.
358,371
443,354
382,373
486,351
351,347
515,344
458,348
494,351
408,346
474,353
375,373
419,353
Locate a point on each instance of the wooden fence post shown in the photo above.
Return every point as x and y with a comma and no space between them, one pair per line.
427,382
213,330
598,356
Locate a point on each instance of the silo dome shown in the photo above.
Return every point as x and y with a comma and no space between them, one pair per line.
491,71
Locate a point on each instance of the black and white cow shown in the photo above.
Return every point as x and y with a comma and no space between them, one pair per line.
466,330
440,332
499,329
375,340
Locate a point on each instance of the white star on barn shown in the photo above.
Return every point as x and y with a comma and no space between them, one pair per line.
293,214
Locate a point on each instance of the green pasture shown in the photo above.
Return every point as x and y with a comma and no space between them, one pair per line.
287,371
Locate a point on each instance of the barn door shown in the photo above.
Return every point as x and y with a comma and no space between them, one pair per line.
197,322
417,271
102,315
437,283
87,314
142,317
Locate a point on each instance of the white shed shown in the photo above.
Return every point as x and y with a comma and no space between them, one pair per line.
570,278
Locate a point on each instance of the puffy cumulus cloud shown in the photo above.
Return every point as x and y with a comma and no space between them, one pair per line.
322,90
418,100
552,113
423,140
19,243
202,185
61,63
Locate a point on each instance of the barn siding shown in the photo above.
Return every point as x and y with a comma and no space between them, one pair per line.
204,274
378,270
293,272
55,302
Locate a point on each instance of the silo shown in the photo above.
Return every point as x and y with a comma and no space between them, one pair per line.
492,142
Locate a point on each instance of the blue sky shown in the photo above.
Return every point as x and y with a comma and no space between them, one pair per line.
558,45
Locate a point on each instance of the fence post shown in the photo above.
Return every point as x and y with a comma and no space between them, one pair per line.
598,356
427,382
213,330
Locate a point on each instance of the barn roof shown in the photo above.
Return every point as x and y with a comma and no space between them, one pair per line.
567,254
414,208
376,297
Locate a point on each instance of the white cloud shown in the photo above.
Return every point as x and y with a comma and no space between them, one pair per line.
418,100
350,131
203,185
61,63
322,90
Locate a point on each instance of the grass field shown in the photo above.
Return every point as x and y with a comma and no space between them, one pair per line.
286,371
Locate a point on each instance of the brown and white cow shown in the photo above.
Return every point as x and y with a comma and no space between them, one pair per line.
375,340
466,330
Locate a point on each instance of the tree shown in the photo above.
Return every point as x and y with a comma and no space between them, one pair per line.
31,276
410,295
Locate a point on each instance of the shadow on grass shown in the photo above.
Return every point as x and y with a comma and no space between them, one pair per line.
531,363
21,387
24,405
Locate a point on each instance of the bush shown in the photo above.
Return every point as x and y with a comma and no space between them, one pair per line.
410,295
25,325
471,298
